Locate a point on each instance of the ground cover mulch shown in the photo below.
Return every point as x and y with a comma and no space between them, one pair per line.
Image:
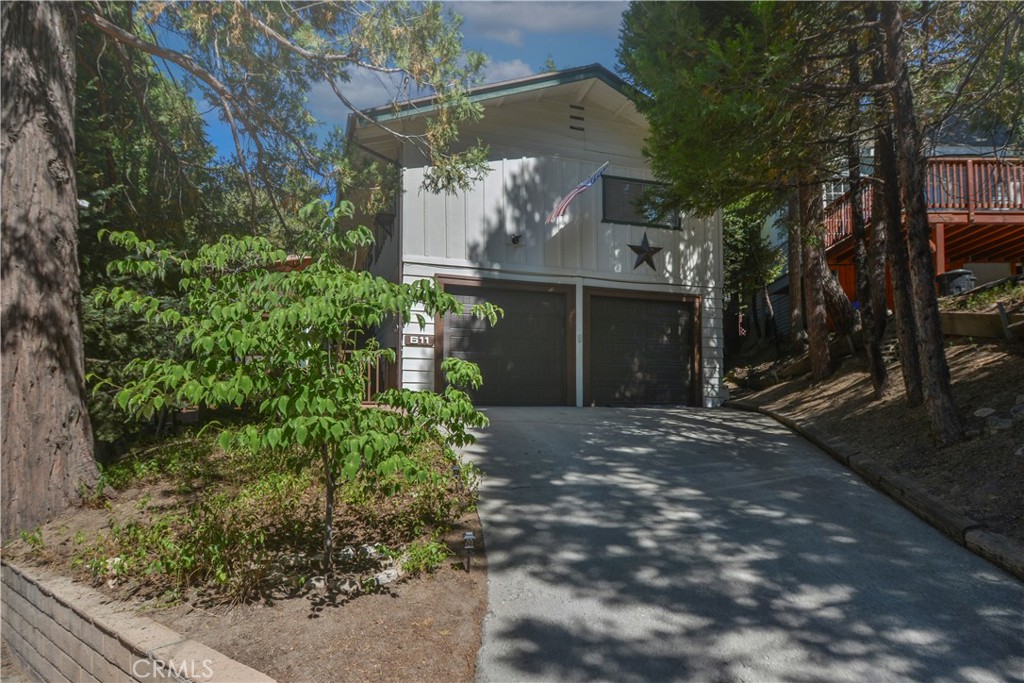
421,628
426,628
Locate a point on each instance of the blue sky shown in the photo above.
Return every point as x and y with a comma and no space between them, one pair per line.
517,37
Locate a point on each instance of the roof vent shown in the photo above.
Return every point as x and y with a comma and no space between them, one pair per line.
576,117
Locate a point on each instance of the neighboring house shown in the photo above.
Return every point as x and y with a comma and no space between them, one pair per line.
588,320
975,207
975,195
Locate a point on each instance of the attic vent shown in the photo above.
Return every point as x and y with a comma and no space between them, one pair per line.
576,117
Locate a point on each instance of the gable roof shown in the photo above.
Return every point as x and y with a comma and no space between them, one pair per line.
425,105
958,137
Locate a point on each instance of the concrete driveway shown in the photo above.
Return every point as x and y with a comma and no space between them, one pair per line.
688,544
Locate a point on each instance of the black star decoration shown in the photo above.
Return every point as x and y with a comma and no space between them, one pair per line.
644,253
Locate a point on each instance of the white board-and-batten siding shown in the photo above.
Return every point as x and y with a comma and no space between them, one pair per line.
499,224
472,234
497,229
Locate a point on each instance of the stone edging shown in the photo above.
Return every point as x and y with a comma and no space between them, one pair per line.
1000,550
57,630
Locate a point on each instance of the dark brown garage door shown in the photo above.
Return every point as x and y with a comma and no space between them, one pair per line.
523,358
640,351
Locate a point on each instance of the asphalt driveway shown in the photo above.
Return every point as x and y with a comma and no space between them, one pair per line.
712,545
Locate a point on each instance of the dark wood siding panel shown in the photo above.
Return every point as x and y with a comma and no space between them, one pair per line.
641,351
524,358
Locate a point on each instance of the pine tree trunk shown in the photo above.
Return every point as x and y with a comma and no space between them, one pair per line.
755,318
889,213
946,422
771,327
837,303
797,334
47,439
878,306
815,272
869,310
328,563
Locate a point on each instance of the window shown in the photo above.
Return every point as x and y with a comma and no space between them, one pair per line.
834,189
625,201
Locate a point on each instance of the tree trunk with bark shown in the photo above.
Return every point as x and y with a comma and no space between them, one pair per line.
877,322
47,452
328,561
899,269
946,421
870,312
797,334
815,272
889,214
755,319
837,303
771,328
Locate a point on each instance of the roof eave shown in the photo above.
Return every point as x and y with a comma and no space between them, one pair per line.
491,91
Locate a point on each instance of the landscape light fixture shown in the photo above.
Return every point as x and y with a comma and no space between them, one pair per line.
468,539
457,474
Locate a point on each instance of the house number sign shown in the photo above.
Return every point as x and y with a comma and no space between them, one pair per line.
419,340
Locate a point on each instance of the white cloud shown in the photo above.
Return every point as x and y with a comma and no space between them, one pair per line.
509,36
542,17
366,89
506,71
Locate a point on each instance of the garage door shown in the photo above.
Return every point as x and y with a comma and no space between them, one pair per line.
640,351
523,358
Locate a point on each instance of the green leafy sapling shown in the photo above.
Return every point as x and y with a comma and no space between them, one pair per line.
291,347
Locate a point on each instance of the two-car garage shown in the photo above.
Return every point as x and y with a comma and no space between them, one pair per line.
638,347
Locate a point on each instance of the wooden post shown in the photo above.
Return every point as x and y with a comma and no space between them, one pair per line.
940,248
971,190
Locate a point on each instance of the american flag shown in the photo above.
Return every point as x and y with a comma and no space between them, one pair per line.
559,210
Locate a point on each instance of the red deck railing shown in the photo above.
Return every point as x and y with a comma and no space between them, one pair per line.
952,186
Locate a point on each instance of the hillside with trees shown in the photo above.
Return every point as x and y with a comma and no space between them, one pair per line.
747,98
102,129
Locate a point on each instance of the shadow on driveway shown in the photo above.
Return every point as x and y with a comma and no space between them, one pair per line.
685,544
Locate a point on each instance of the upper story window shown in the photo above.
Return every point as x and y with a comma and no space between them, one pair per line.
834,189
625,199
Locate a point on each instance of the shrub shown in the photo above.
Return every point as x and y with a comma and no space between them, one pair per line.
284,346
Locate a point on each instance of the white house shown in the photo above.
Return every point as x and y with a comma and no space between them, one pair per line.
603,307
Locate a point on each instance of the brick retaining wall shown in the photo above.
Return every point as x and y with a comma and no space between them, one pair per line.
57,630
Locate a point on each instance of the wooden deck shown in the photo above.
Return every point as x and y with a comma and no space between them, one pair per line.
975,208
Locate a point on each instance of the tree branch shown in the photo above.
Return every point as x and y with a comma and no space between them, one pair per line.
414,139
350,58
122,55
